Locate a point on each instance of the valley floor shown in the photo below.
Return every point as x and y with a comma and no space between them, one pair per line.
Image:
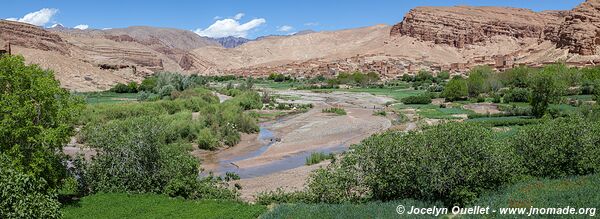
276,157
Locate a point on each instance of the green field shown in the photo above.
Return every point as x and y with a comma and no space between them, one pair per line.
397,94
577,192
157,206
443,113
343,211
279,85
107,97
581,97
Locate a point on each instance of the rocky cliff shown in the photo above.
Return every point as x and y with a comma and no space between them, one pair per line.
580,30
463,25
231,42
30,36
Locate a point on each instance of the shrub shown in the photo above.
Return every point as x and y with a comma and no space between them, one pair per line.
23,195
444,75
456,89
517,95
317,157
120,88
562,147
421,99
166,90
380,113
452,162
36,120
545,88
143,96
337,111
148,84
207,140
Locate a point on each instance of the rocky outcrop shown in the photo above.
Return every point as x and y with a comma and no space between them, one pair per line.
580,30
463,25
30,36
231,42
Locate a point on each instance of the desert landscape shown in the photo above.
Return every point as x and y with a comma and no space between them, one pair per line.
450,111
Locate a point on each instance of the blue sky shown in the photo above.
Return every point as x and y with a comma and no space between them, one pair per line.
238,17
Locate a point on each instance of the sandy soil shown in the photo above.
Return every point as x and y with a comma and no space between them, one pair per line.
299,134
483,108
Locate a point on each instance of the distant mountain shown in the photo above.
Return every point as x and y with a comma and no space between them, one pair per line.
302,32
231,41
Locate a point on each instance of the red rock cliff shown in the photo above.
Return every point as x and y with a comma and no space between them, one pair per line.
461,25
580,30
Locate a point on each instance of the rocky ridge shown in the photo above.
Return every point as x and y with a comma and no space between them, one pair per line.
463,25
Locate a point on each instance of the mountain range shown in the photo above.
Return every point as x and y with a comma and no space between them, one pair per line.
431,38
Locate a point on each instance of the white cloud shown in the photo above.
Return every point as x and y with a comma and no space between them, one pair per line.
217,17
82,26
311,24
107,28
38,18
285,28
238,16
230,27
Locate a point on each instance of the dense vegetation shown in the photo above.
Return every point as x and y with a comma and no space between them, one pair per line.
157,206
455,163
35,121
142,167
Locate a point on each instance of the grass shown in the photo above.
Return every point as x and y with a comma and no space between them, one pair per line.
157,206
415,106
107,97
367,210
508,121
317,157
576,192
395,93
279,85
337,111
581,97
443,113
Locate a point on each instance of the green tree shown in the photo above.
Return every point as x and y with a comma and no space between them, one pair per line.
148,84
516,77
36,119
455,89
372,77
476,82
596,96
545,88
444,75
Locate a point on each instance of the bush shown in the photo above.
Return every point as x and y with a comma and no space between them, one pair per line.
36,120
148,84
207,140
380,113
421,99
562,147
337,111
317,157
23,195
517,95
133,157
456,89
416,165
166,90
